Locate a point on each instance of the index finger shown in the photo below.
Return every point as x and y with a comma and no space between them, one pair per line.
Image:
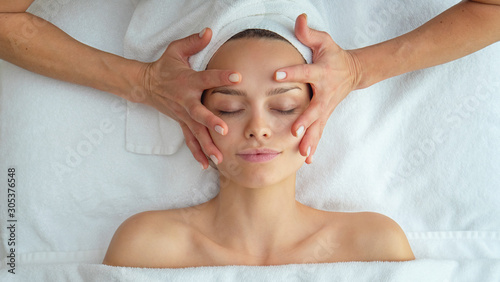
201,114
304,73
208,79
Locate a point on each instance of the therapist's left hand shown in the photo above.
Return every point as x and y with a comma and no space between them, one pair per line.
332,76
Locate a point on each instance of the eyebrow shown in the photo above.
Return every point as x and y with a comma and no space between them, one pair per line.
236,92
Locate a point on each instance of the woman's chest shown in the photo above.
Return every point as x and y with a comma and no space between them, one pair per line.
325,247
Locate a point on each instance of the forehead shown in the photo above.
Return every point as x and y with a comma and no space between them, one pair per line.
265,54
257,59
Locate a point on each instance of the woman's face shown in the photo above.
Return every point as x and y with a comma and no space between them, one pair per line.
259,149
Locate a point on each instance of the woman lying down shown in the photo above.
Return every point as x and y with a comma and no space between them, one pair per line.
255,219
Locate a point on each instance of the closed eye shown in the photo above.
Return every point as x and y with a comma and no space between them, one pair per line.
287,112
232,113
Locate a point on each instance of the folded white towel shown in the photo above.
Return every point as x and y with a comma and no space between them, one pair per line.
421,270
150,132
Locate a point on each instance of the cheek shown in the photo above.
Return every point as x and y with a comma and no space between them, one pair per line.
223,143
282,133
282,129
281,125
219,140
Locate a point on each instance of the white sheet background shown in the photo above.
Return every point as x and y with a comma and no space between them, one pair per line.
421,148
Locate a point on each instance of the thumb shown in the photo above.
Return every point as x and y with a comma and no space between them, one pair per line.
308,36
188,46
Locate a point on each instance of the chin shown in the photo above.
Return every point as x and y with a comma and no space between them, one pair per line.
259,177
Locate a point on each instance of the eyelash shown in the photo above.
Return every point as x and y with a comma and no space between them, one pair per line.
287,112
223,113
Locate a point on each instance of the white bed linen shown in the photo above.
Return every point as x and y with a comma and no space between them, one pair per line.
421,148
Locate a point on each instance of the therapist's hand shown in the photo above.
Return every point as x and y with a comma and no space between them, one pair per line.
173,88
332,76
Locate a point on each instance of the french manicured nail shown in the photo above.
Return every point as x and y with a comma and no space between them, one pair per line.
202,32
234,77
202,166
280,75
214,159
308,151
300,131
219,129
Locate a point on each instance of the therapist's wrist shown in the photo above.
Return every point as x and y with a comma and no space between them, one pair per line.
382,61
355,70
367,71
122,77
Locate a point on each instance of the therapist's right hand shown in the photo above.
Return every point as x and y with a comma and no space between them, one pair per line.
173,88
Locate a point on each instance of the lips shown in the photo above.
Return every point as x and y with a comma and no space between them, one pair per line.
258,155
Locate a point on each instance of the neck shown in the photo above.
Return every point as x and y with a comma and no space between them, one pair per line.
257,221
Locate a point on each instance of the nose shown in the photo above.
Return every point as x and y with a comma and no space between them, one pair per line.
257,128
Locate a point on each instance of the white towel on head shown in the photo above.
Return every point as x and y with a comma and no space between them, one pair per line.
150,132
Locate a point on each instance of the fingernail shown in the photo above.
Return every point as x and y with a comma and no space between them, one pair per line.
308,151
234,77
219,129
280,75
305,15
300,131
202,166
214,159
202,32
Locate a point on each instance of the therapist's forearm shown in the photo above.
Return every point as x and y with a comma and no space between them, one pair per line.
37,45
457,32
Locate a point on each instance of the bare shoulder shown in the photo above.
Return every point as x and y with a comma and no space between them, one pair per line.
148,239
381,238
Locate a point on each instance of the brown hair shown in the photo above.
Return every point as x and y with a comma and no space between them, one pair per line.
257,33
